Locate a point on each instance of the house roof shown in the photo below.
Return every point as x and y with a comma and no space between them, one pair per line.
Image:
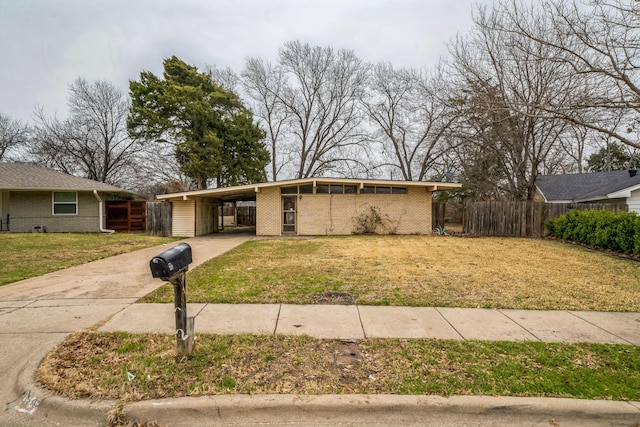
247,192
27,177
585,187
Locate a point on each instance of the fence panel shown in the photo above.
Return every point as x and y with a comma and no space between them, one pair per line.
126,216
159,219
520,219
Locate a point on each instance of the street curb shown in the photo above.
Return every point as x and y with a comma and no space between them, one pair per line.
356,409
373,409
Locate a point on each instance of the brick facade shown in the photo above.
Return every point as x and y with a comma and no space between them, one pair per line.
269,222
334,214
34,208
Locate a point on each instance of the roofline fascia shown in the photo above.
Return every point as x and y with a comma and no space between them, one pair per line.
625,192
90,190
590,199
431,186
540,192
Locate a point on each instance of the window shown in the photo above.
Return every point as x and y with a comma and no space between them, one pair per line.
289,190
306,189
350,189
65,203
336,189
322,189
368,189
382,189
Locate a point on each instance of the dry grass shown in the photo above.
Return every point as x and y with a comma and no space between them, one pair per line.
418,271
132,367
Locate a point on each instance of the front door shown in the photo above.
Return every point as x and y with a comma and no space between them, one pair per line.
289,214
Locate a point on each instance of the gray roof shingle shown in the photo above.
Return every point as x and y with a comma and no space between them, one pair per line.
22,176
584,186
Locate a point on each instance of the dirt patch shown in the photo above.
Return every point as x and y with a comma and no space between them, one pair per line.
333,298
347,353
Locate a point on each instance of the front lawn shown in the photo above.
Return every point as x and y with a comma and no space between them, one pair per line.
24,255
417,271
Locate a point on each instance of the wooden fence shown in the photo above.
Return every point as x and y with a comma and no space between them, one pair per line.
126,216
159,219
520,219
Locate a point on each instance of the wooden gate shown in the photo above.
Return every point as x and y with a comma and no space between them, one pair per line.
126,216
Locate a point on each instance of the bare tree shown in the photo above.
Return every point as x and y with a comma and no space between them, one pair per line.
13,134
600,42
411,122
322,97
311,101
92,142
502,82
265,84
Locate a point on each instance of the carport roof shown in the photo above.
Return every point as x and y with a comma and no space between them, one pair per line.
248,192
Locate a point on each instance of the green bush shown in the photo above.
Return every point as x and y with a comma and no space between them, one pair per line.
619,232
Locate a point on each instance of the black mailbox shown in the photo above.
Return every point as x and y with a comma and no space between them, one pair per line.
171,262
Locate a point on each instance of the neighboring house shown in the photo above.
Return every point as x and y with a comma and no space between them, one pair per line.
311,206
596,187
40,199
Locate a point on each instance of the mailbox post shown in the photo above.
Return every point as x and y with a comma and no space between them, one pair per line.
171,266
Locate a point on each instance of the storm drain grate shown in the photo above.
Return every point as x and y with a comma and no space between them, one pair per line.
347,353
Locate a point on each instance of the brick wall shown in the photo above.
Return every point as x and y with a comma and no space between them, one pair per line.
325,214
29,209
268,212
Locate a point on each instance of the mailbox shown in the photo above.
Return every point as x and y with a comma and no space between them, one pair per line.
171,262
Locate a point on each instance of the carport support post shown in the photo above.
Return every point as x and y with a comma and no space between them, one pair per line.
184,325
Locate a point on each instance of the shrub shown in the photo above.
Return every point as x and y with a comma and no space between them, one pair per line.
371,220
619,232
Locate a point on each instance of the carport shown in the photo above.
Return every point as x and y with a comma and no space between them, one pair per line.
197,213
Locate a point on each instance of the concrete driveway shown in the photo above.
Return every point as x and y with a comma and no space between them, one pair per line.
38,313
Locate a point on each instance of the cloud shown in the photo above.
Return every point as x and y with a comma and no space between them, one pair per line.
53,43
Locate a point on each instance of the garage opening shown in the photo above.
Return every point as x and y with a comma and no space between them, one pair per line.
237,215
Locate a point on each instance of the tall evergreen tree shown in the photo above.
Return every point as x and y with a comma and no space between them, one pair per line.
612,157
214,134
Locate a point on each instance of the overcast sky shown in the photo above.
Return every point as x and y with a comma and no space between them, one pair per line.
46,44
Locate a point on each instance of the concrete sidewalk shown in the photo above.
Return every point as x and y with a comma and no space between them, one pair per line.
351,322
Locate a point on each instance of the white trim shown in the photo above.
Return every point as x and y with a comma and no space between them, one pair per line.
54,203
101,215
251,188
624,193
